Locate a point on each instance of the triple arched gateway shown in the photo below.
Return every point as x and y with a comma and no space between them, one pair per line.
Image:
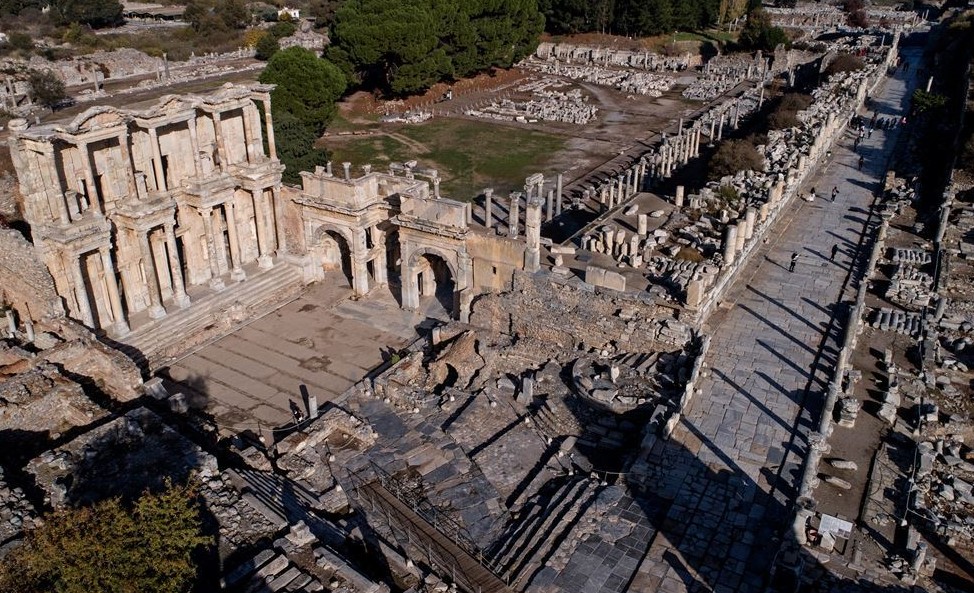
354,224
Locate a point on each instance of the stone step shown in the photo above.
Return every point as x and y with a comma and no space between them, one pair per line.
541,524
148,344
556,535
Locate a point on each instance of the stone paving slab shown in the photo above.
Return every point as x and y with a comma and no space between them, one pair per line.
323,342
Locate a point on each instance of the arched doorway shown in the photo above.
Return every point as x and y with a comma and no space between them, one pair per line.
333,253
436,285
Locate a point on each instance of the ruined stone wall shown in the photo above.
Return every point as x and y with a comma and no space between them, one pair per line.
495,260
571,316
25,284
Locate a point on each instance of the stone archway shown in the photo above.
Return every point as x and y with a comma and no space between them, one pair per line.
431,273
331,250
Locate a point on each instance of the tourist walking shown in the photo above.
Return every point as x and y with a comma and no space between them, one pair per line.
835,251
794,260
835,192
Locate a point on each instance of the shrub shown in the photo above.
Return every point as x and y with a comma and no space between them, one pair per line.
733,156
844,63
111,548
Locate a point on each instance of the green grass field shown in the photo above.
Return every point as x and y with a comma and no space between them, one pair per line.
469,155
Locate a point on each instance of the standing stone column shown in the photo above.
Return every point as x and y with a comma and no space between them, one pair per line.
236,272
730,245
488,207
360,270
514,215
642,225
741,239
549,206
265,260
126,154
749,216
194,144
558,195
81,292
156,310
532,235
216,282
91,191
157,160
221,144
176,268
277,211
678,198
269,121
120,326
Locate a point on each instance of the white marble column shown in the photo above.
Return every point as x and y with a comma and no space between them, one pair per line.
277,211
81,292
216,283
236,272
120,326
91,190
176,269
260,222
221,144
157,160
269,121
195,145
156,310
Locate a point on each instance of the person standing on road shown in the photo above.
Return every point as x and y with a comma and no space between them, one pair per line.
835,251
794,260
835,192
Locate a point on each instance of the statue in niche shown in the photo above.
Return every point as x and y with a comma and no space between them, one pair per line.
206,162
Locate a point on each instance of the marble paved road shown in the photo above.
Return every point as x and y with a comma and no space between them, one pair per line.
323,342
732,465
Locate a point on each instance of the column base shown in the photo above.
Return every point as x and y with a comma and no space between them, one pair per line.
157,312
217,283
265,262
120,328
182,301
238,274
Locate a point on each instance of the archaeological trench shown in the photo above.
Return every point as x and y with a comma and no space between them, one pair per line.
533,428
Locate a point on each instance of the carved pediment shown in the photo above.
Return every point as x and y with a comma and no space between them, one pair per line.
96,118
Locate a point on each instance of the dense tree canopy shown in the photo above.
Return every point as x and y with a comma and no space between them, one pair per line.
95,13
111,548
302,105
406,46
638,17
759,33
208,15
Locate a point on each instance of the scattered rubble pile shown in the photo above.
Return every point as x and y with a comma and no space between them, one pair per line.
944,482
548,105
632,82
17,514
910,285
627,382
646,60
723,73
812,17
